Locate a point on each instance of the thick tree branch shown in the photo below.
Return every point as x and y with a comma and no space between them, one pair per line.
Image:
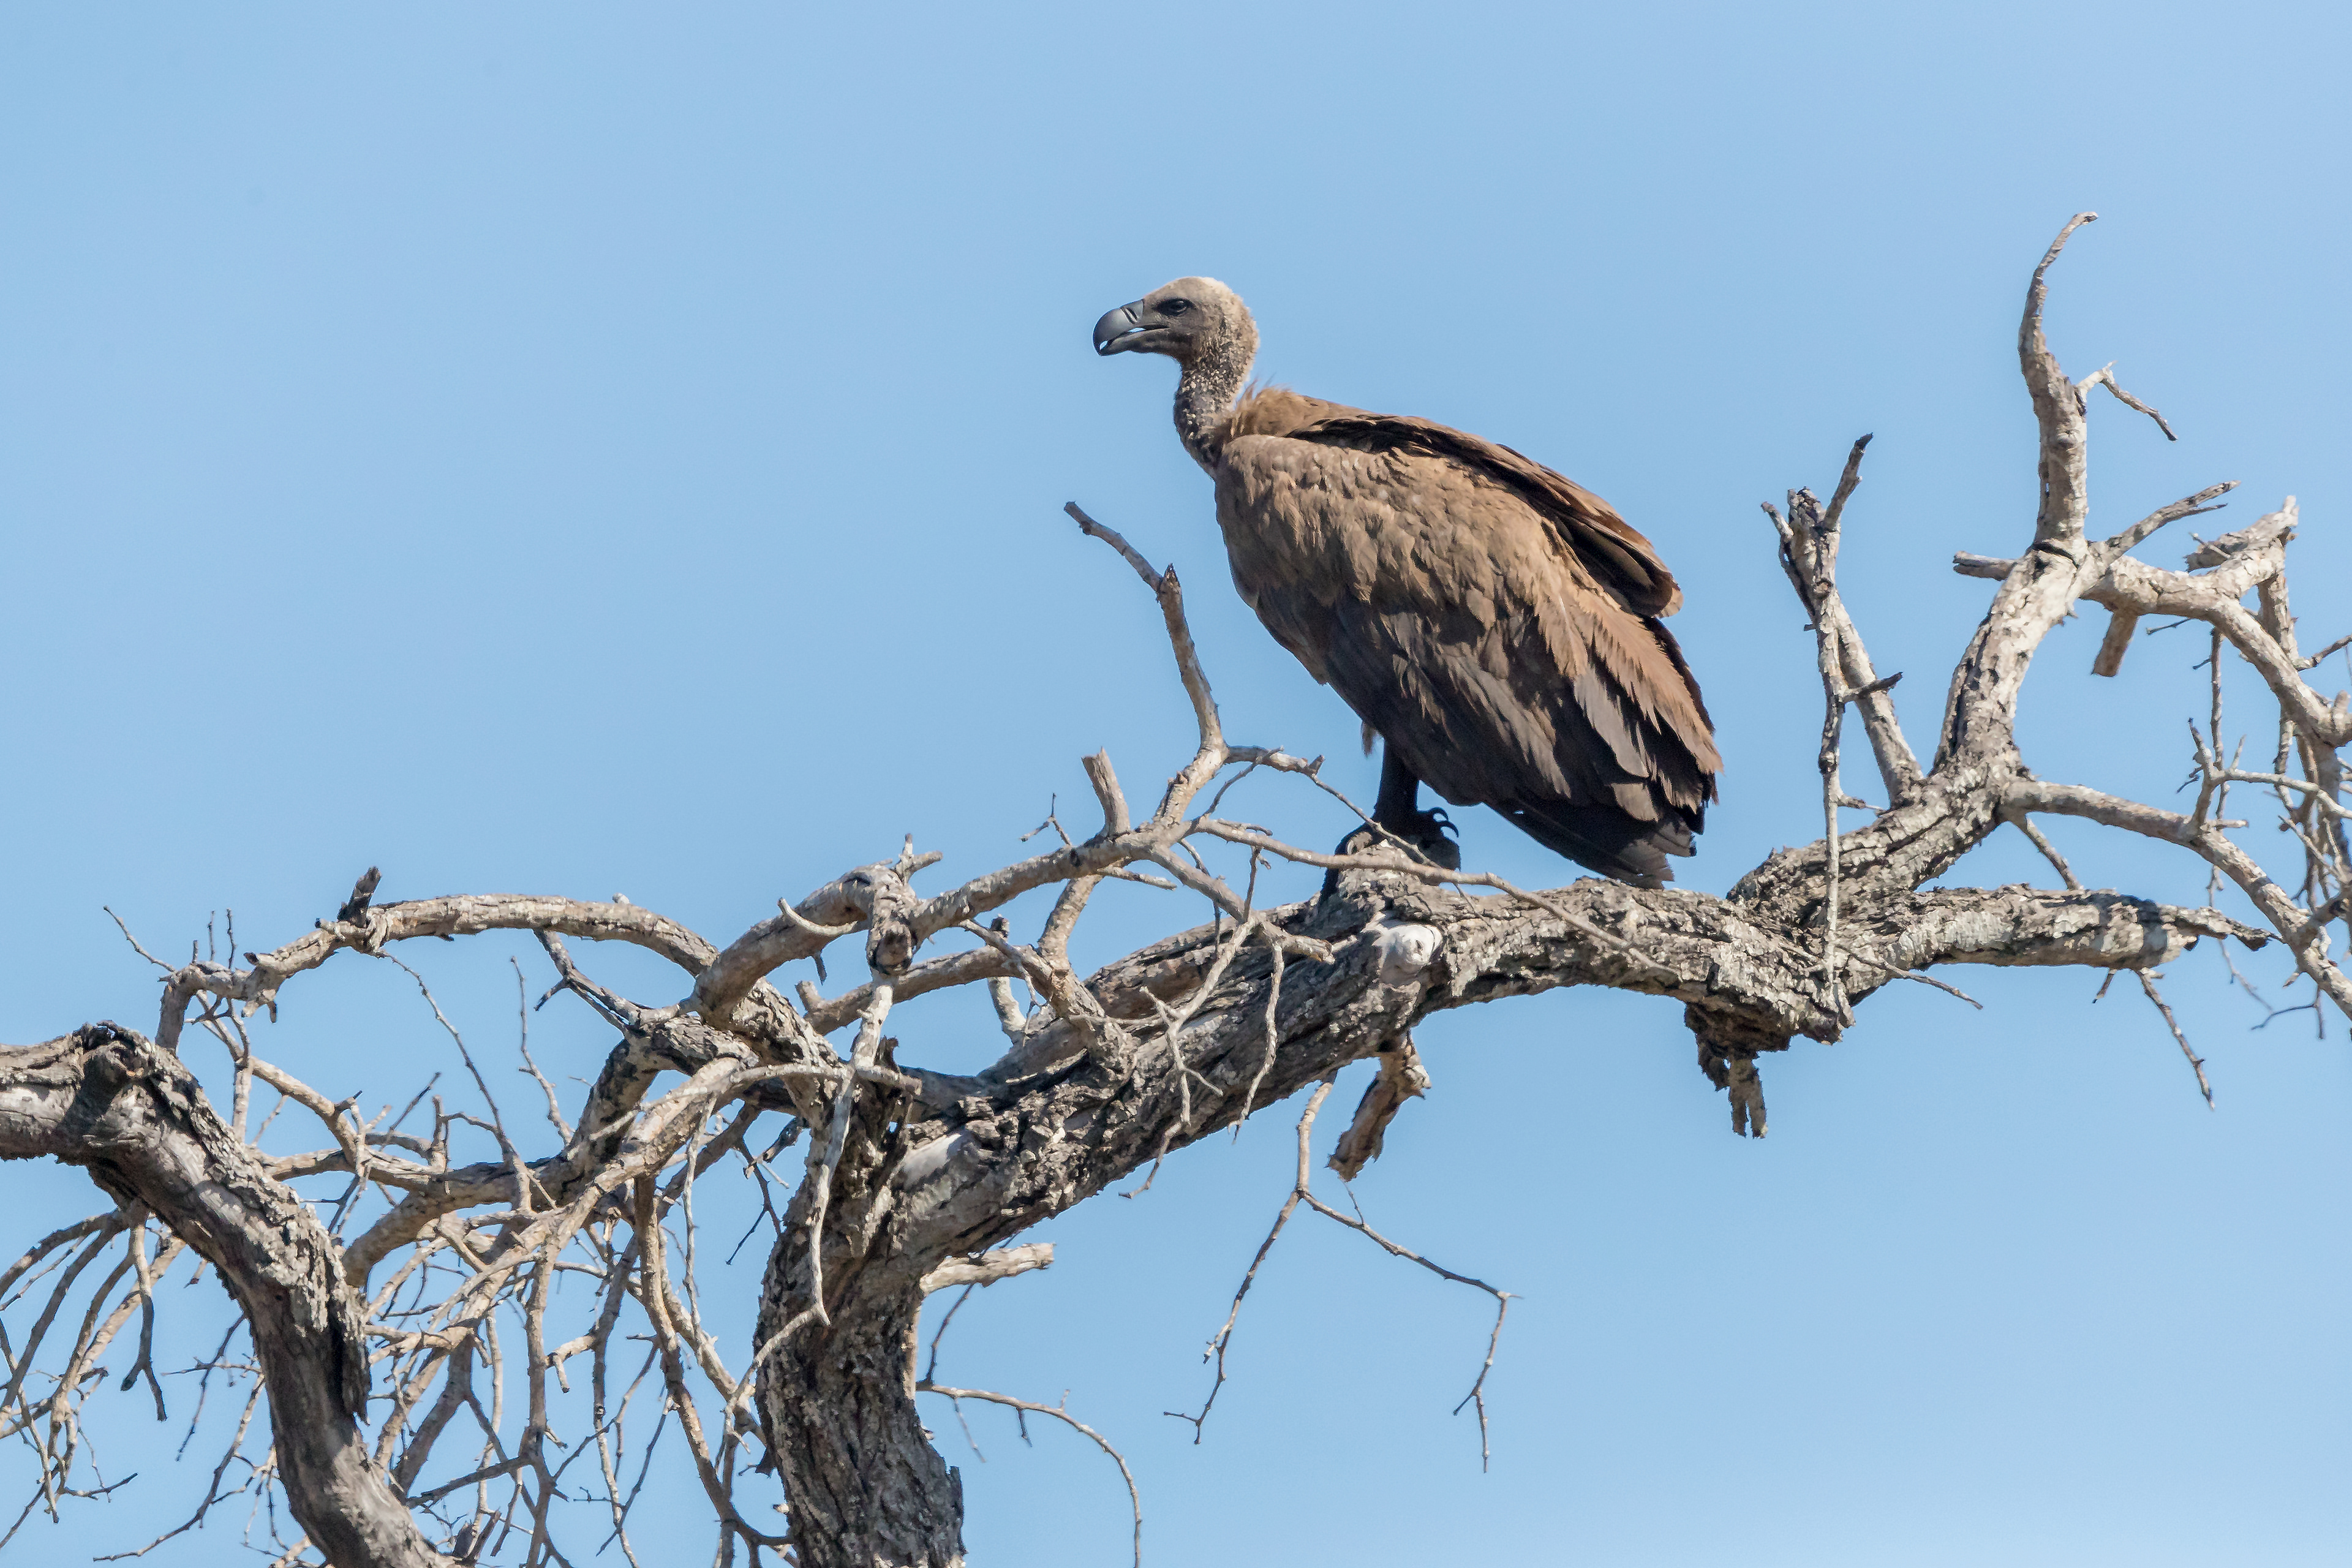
133,1115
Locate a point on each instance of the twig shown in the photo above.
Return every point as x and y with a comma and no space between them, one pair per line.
1273,1035
1301,1192
2311,663
1059,1413
932,1364
1912,974
2025,825
1222,1339
522,1044
134,941
1502,1305
2196,1062
1118,541
2105,376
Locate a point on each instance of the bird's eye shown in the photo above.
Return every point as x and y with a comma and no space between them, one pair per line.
1175,307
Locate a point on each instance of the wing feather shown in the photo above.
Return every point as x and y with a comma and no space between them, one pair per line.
1614,553
1497,622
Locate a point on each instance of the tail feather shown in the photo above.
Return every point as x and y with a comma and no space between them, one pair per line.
1604,839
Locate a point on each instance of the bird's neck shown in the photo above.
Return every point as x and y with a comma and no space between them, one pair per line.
1212,379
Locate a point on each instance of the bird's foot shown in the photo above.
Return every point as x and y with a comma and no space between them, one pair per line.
1424,833
1428,832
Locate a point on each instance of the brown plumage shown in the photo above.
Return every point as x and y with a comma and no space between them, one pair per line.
1496,624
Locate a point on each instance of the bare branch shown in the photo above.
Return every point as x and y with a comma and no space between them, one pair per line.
2105,376
1059,1413
988,1267
1222,1340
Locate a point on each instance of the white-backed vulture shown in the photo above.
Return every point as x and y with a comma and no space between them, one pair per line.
1497,626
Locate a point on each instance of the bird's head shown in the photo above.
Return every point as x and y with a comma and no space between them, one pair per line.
1184,319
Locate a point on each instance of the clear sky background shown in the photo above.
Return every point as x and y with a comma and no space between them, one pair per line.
584,448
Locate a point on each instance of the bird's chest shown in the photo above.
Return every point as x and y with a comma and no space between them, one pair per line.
1311,523
1300,523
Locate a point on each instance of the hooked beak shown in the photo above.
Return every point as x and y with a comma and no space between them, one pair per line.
1119,330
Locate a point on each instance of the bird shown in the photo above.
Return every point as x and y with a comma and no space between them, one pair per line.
1499,627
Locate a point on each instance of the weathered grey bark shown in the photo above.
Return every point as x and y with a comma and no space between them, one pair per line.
1053,1127
864,1483
133,1115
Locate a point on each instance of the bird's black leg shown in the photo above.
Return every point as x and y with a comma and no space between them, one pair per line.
1399,799
1397,810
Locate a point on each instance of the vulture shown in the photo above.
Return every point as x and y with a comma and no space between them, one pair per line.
1496,625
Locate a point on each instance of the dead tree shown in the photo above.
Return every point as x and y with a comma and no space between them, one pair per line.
372,1276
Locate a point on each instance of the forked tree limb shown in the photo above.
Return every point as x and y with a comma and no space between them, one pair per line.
131,1114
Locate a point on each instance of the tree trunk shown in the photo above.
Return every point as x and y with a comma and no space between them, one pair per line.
866,1488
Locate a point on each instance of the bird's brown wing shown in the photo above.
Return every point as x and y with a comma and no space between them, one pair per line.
1611,550
1466,612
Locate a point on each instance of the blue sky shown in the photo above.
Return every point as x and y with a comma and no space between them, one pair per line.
585,448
